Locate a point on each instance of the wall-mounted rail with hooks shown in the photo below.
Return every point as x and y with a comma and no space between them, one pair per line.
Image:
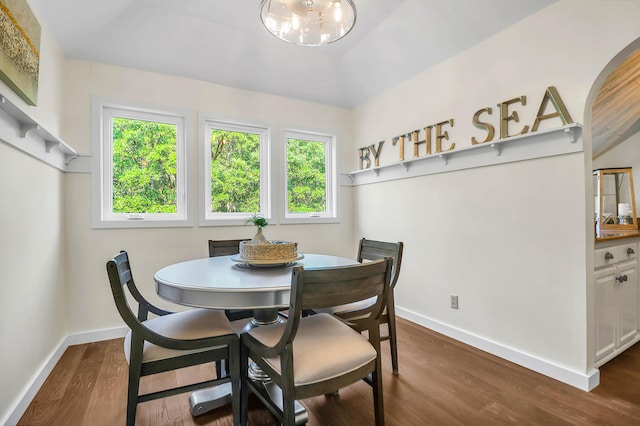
20,130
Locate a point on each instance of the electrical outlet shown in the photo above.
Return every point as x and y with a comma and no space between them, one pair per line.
454,302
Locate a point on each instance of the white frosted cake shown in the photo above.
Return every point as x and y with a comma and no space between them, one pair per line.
270,250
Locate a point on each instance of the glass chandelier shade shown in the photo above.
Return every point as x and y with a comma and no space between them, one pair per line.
308,22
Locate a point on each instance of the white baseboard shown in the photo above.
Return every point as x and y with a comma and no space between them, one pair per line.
96,336
576,379
31,389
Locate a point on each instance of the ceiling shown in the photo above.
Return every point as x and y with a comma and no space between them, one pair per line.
615,115
223,41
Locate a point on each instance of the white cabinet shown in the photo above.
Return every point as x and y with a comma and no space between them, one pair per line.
616,299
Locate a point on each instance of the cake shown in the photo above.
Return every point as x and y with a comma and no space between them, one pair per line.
270,250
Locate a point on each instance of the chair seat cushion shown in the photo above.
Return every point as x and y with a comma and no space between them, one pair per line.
186,325
324,348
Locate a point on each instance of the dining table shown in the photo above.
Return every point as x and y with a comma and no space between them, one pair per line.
230,282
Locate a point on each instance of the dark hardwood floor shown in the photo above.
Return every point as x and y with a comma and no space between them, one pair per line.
441,382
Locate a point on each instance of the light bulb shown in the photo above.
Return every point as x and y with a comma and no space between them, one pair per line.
337,14
270,23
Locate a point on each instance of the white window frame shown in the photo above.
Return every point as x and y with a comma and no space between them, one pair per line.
330,215
208,218
103,112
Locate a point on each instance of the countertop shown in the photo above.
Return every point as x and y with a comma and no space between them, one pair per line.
616,235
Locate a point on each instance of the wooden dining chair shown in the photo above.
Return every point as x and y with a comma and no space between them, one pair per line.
318,354
372,250
224,247
171,341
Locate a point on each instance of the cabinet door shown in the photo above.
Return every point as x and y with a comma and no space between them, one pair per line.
628,301
606,311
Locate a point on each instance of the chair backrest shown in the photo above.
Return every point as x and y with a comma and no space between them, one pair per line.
340,285
120,275
224,247
374,250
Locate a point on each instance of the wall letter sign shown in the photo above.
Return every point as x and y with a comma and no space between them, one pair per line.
508,117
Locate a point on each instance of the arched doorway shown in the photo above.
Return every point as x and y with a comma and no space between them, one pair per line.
611,134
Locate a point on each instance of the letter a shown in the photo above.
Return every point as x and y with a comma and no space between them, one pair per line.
561,110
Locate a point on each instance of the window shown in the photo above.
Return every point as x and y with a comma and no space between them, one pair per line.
235,173
140,174
310,177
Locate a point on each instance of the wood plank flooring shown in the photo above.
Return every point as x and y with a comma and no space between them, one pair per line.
441,382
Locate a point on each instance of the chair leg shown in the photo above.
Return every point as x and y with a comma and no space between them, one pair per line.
132,398
393,342
135,368
287,388
222,368
378,401
233,367
244,387
288,409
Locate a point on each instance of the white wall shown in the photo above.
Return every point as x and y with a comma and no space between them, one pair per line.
509,240
90,303
32,235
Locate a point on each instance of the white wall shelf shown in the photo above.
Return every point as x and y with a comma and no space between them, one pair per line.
23,132
547,143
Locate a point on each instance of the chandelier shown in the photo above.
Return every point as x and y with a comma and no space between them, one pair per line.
308,22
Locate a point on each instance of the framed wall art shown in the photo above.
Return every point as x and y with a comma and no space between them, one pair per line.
19,49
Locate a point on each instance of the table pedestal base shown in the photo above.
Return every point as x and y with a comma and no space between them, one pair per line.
273,392
263,317
205,400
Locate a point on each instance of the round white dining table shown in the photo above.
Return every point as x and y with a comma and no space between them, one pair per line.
224,283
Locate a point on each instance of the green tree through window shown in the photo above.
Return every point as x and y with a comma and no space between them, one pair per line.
145,155
144,166
235,171
306,185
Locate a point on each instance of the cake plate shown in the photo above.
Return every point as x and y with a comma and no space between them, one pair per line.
266,263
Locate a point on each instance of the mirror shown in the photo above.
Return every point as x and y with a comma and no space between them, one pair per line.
615,205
